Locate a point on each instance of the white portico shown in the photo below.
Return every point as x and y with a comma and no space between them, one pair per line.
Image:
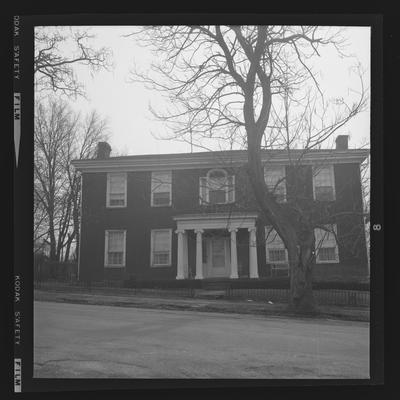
216,255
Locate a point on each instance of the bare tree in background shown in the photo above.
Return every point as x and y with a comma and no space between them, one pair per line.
60,136
238,84
57,51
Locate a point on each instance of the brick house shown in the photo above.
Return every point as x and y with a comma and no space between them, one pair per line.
193,216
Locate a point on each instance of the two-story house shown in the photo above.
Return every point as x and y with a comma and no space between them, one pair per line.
193,216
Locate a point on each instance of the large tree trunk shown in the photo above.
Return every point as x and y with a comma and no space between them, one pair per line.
298,238
301,260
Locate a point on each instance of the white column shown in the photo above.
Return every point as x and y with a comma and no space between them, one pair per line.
199,254
234,265
180,264
253,265
185,256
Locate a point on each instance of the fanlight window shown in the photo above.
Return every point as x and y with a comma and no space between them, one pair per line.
217,187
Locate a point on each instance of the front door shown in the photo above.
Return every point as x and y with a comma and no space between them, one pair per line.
217,264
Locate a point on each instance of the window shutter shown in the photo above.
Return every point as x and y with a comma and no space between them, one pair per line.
203,190
231,189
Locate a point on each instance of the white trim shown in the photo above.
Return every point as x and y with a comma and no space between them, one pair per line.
227,189
152,245
124,174
152,191
106,265
320,245
215,159
332,174
228,221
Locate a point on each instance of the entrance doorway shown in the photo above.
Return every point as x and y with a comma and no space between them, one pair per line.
216,257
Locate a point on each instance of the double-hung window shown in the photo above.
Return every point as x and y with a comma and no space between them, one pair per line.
274,176
275,248
217,187
326,247
115,248
161,188
116,190
324,183
161,247
276,253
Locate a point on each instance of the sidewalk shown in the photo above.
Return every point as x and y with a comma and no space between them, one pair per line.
128,298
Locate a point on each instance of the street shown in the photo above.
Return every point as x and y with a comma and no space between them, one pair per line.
93,341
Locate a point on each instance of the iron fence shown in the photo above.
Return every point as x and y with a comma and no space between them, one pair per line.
322,297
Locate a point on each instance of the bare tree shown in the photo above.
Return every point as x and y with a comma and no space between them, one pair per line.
60,136
82,146
237,84
57,51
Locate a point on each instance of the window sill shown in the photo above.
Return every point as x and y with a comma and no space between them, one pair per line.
327,262
160,265
277,263
114,266
116,206
217,204
325,201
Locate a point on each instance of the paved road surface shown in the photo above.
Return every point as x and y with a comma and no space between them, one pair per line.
92,341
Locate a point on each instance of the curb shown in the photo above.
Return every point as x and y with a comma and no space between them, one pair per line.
234,308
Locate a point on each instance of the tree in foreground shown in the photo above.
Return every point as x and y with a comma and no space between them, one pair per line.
254,87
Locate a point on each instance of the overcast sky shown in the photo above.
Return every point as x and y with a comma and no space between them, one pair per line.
125,105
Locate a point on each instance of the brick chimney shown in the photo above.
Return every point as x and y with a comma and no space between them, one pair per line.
103,150
342,142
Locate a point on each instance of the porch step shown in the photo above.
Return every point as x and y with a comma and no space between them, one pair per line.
209,294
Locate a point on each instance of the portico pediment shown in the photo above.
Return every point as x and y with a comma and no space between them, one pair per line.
234,220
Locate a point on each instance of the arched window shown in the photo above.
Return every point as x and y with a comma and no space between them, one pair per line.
217,187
